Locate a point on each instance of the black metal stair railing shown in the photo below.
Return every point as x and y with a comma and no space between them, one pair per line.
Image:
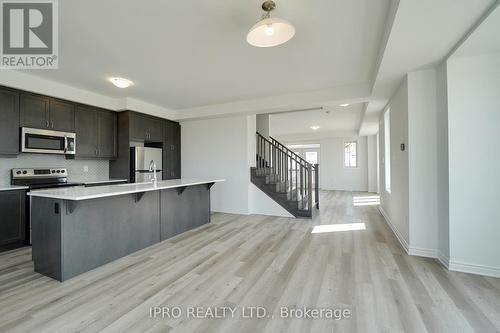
291,174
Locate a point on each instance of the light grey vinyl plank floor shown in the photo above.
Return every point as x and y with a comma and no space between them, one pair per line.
243,261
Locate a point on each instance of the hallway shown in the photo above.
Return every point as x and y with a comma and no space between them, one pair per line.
238,261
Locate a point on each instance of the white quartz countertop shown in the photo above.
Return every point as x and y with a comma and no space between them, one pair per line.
85,193
12,187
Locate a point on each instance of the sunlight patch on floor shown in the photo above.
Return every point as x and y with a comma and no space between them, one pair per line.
324,228
373,200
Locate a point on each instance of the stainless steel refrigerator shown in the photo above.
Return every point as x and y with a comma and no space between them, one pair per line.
143,162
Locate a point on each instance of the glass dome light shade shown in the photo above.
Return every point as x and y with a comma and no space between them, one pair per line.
260,36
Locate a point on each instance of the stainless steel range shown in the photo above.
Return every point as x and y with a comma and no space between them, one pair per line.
38,179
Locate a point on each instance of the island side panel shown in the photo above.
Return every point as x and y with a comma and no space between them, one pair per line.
46,236
101,230
181,212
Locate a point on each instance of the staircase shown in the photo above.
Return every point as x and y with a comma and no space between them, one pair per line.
286,177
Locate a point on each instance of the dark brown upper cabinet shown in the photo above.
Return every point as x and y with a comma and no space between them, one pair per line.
107,133
172,150
47,113
95,133
34,111
86,130
153,132
62,115
145,128
9,122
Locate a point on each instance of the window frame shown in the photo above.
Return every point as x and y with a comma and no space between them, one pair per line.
344,152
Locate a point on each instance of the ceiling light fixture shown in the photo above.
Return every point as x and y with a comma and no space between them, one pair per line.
270,31
345,104
120,82
315,128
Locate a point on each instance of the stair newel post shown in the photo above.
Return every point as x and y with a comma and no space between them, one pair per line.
309,190
257,151
269,156
273,160
263,154
316,184
297,180
283,168
280,170
301,180
262,149
307,185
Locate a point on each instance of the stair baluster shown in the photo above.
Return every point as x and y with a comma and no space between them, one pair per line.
286,177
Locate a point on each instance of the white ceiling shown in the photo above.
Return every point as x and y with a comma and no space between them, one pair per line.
183,54
485,39
190,59
332,121
423,33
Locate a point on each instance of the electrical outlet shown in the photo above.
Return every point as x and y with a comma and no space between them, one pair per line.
85,168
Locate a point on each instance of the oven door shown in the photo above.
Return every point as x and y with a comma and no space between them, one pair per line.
44,141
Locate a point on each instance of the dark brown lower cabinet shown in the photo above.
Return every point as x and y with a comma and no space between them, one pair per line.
12,217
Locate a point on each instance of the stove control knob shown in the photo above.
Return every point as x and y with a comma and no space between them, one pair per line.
58,171
25,172
53,171
18,172
62,171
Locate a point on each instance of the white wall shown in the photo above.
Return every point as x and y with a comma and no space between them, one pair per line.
218,148
372,168
395,205
442,164
474,163
334,176
263,124
225,148
422,162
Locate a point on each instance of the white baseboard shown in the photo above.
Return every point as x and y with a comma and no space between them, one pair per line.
402,241
459,266
443,259
452,265
421,252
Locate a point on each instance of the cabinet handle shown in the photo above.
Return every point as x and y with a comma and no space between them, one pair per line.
46,123
96,152
52,124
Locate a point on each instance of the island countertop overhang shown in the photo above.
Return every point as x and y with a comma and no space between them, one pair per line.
86,193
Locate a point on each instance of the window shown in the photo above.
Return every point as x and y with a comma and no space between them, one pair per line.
312,157
351,154
387,148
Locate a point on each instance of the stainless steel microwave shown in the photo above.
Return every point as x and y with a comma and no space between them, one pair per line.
35,140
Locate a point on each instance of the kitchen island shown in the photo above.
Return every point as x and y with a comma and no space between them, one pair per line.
76,229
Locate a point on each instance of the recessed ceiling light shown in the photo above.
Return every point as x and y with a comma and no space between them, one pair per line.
120,82
345,104
315,128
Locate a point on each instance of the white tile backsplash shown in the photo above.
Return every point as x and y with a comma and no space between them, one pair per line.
88,170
